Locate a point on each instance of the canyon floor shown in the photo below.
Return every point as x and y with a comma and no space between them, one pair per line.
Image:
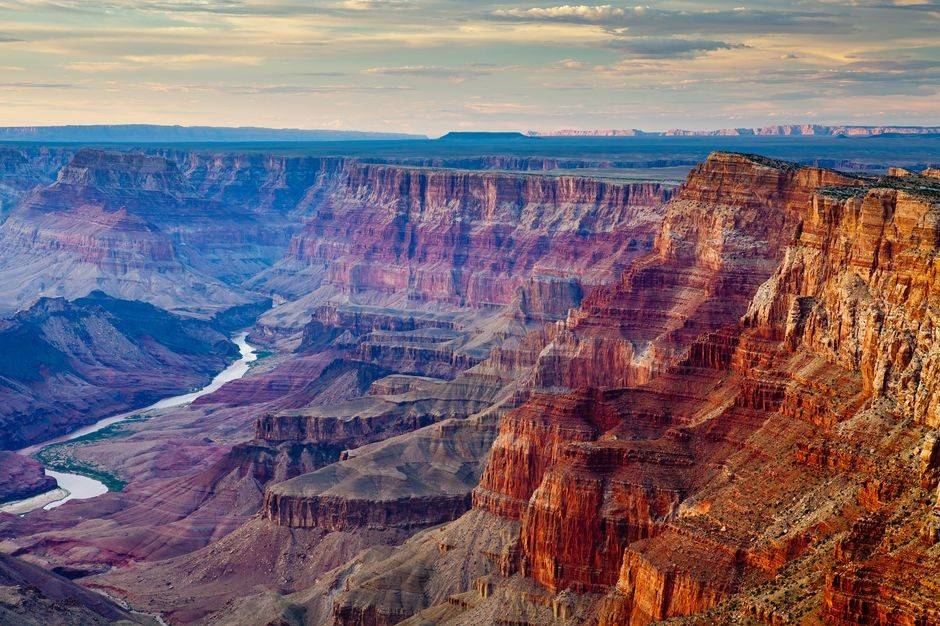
606,384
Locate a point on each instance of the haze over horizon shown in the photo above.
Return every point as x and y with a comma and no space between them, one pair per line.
433,66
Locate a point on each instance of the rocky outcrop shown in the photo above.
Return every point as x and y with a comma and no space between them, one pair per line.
343,514
82,360
859,288
790,400
430,482
23,168
22,477
33,596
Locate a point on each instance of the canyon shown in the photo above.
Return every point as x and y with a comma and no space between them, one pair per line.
72,362
488,395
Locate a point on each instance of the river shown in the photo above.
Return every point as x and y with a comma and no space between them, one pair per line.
79,487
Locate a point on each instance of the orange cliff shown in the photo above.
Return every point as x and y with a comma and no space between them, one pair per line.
843,332
722,236
771,382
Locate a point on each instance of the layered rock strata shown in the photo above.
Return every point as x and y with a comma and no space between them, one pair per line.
731,473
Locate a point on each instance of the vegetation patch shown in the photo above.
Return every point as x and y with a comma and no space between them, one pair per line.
60,456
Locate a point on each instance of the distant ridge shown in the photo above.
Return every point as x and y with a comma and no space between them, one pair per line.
157,133
465,136
795,130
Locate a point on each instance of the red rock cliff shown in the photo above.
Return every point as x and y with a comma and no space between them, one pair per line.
469,238
787,323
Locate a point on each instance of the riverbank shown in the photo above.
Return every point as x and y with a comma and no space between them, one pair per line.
79,481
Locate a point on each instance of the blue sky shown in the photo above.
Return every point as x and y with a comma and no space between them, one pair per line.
437,65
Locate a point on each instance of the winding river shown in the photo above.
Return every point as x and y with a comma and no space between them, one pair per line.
80,487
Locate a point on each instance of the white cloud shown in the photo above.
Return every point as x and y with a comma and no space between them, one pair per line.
584,12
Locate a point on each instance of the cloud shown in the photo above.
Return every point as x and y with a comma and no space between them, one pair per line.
325,74
647,20
671,47
165,60
566,13
270,89
30,85
371,5
300,90
431,71
570,65
244,8
913,5
498,108
95,67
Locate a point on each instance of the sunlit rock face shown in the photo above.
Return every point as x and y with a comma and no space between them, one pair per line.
774,459
524,399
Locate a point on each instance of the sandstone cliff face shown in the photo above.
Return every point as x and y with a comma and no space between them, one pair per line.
792,389
860,287
722,236
467,238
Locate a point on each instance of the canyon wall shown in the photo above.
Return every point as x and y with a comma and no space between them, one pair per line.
718,482
23,168
520,399
382,370
106,223
406,236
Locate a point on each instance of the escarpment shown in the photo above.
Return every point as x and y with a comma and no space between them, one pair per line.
467,238
722,235
774,464
525,399
23,168
114,222
439,344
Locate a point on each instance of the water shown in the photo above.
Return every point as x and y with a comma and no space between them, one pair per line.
80,487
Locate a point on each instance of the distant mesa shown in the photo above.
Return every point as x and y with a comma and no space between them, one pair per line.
152,133
476,136
784,130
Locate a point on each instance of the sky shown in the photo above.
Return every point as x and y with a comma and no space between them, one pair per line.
431,66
